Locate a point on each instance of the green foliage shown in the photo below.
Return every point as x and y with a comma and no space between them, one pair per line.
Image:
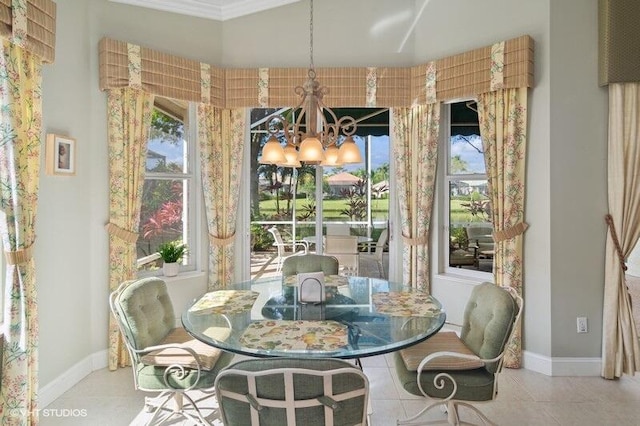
260,237
166,127
479,208
458,235
356,201
173,251
307,211
380,174
458,165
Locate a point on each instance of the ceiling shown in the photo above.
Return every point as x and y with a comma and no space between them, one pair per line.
219,10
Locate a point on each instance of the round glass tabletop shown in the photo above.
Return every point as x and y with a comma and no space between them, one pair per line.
361,317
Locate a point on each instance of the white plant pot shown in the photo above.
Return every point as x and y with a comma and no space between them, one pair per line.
170,269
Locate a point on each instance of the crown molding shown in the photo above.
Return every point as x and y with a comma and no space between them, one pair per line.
219,10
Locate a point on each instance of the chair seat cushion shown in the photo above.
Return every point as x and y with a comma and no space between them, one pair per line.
472,385
152,377
207,355
442,341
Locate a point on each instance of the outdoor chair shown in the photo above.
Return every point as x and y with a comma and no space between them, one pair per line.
286,248
449,370
164,359
345,249
379,252
481,237
338,229
287,391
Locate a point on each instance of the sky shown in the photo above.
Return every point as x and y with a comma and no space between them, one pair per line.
473,159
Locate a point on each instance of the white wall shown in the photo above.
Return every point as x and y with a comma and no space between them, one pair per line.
566,165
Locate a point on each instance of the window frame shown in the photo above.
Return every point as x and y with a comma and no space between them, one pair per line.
192,199
444,210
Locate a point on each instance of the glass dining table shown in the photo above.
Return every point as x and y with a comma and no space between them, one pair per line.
360,317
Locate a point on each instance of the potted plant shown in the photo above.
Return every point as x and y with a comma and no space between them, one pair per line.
171,254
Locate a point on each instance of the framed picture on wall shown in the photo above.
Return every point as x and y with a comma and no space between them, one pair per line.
61,155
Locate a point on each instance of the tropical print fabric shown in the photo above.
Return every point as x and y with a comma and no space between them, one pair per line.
129,121
226,302
406,304
415,151
21,97
503,127
221,138
295,335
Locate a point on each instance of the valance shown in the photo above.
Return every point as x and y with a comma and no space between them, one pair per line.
457,76
41,26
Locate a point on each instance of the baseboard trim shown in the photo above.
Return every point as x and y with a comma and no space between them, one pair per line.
56,388
564,366
531,361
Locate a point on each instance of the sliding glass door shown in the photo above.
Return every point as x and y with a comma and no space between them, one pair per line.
302,202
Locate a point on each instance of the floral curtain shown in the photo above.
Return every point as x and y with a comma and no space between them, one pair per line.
21,115
129,120
503,127
221,138
415,150
620,349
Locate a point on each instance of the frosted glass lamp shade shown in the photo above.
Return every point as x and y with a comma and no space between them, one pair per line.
349,152
331,156
291,154
272,152
311,150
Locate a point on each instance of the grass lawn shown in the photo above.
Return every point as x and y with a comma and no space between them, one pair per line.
379,209
331,208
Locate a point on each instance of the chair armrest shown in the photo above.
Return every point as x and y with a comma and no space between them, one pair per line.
439,379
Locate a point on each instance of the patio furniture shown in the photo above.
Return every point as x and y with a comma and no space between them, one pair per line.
164,359
379,252
286,249
288,391
449,370
338,229
345,249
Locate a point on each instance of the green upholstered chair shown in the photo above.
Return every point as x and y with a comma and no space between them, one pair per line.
165,358
449,370
310,263
285,391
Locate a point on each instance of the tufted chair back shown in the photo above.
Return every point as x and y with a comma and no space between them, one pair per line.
145,312
488,319
310,263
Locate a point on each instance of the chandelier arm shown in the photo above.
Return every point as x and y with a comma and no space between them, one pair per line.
311,113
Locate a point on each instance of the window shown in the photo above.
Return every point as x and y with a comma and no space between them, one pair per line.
469,243
168,211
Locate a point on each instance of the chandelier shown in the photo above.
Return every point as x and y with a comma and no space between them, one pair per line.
316,135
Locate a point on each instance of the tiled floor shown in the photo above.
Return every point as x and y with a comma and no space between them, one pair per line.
525,398
107,398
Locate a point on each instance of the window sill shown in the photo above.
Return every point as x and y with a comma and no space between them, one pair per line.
470,277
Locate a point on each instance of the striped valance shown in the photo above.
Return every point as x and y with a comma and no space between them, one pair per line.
40,28
457,76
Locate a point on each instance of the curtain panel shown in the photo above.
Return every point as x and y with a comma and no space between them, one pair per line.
221,138
20,94
620,348
502,116
129,121
415,151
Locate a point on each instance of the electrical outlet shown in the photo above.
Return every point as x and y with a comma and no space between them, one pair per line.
582,325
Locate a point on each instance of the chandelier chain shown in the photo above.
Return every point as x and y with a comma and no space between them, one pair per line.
311,35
